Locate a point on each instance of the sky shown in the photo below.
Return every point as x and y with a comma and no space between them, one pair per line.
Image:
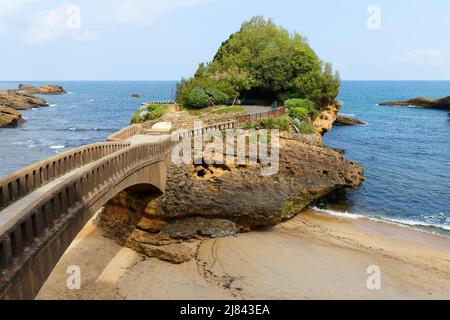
167,39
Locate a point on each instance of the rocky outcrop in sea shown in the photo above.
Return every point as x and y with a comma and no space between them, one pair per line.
23,98
20,101
44,89
347,121
443,103
10,118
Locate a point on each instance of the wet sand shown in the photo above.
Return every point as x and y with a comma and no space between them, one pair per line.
312,256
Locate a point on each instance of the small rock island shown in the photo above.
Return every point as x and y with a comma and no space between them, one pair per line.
428,103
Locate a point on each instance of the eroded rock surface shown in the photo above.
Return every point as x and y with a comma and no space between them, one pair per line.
324,122
20,101
242,195
10,118
192,227
163,248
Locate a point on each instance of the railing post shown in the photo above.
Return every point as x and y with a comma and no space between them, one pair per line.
5,252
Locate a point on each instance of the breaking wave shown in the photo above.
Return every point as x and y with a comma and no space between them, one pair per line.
438,223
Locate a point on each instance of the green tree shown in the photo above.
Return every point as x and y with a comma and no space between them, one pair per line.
265,61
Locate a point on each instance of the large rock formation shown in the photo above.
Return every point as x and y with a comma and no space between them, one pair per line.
10,118
44,89
214,200
242,195
20,101
443,103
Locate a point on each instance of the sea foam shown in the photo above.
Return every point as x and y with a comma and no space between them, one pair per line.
408,223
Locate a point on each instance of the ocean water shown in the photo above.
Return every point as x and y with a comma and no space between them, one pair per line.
89,113
405,151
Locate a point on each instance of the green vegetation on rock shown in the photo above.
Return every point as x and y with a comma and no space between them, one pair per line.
281,123
306,127
151,111
265,62
301,108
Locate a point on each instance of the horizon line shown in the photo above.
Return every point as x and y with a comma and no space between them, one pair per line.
173,80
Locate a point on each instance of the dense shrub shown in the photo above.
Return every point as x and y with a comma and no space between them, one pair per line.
299,113
304,104
217,97
198,98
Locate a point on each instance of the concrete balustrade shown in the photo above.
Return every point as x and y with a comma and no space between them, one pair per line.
22,182
126,133
180,135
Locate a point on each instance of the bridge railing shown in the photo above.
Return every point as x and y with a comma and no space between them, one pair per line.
19,230
126,133
179,135
22,182
262,115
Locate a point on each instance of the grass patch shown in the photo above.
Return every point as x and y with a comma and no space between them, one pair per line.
231,109
196,112
306,127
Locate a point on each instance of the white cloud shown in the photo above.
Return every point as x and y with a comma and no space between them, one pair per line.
37,26
11,7
143,12
422,57
50,25
8,10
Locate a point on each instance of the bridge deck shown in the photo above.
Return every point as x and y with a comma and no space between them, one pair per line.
141,138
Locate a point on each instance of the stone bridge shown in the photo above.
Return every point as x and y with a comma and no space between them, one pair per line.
45,205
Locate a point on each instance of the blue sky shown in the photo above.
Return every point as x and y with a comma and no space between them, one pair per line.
165,40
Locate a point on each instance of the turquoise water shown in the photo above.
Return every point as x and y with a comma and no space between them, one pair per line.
405,151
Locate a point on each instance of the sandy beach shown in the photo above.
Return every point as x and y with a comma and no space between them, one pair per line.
313,256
